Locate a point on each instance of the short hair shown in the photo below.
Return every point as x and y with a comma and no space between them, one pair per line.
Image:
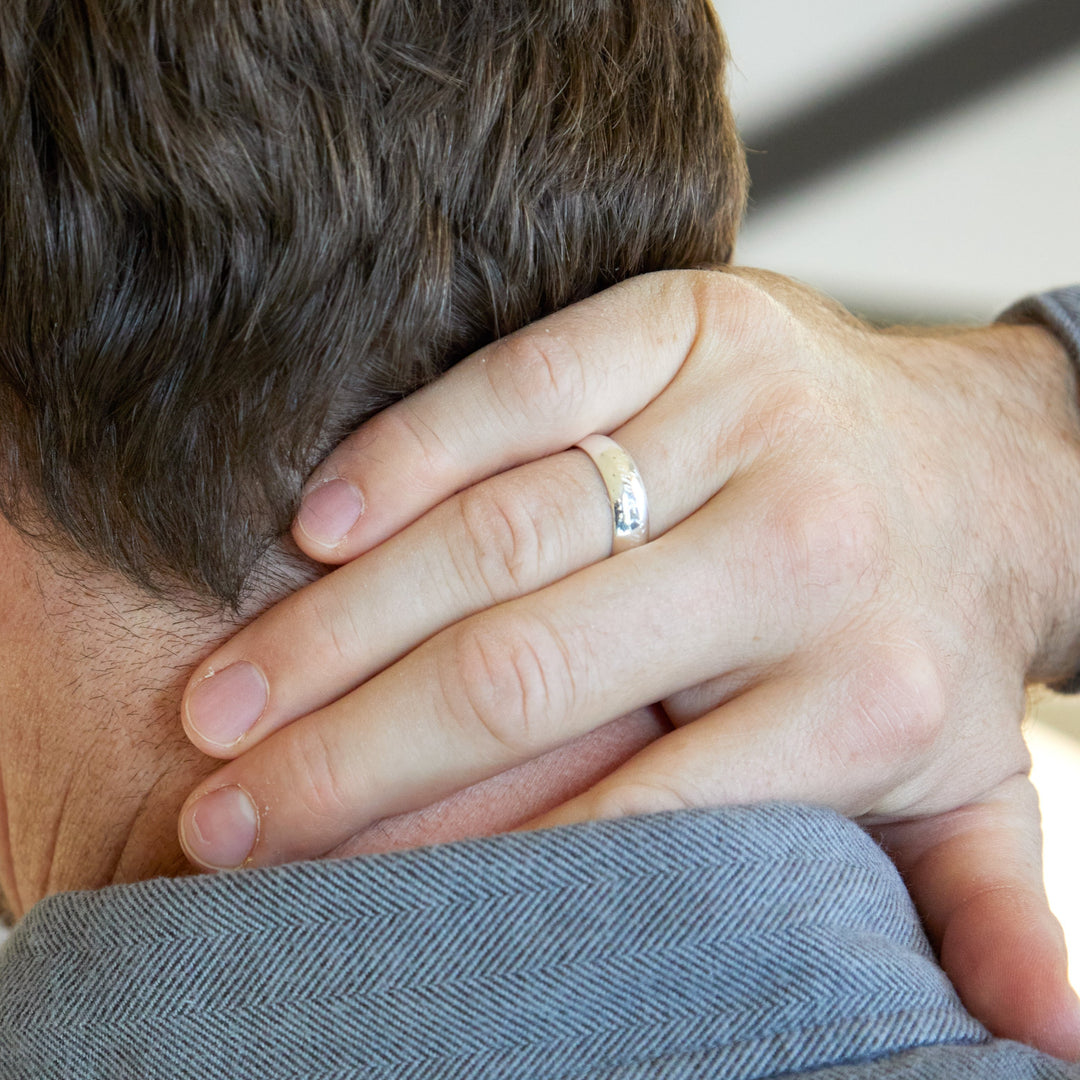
231,231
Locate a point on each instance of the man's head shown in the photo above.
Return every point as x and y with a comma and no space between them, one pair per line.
230,231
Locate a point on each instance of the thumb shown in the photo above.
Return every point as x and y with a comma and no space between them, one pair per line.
975,875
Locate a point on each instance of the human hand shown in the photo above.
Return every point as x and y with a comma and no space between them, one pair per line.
852,577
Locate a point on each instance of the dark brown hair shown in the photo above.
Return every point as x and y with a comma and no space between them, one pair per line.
230,231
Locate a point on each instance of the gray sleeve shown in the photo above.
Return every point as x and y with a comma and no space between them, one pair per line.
1058,311
997,1060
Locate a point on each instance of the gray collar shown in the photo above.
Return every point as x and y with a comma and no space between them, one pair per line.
733,943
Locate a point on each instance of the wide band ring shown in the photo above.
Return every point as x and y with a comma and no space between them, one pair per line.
626,491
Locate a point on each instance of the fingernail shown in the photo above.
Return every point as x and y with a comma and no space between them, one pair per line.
223,707
329,511
220,829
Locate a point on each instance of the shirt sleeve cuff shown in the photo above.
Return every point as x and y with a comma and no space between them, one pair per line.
1058,310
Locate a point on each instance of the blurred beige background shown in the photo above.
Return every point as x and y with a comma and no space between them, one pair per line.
1054,738
956,215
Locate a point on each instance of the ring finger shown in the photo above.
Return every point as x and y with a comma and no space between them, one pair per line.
504,538
509,684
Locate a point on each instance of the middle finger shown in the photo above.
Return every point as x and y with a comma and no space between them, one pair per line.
501,539
511,683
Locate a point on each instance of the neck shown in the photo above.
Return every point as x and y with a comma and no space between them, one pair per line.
94,765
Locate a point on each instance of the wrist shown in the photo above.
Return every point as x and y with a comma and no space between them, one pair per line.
996,487
1040,452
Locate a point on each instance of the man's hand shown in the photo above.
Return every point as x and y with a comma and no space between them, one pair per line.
864,546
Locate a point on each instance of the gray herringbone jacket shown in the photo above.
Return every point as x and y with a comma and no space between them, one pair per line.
728,944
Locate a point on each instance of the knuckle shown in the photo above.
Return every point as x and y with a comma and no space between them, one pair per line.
333,625
798,409
897,709
498,543
737,310
785,411
721,296
536,374
318,781
407,429
830,545
509,680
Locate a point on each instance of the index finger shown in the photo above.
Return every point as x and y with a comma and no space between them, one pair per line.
587,368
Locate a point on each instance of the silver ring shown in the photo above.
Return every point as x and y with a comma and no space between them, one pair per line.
625,488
